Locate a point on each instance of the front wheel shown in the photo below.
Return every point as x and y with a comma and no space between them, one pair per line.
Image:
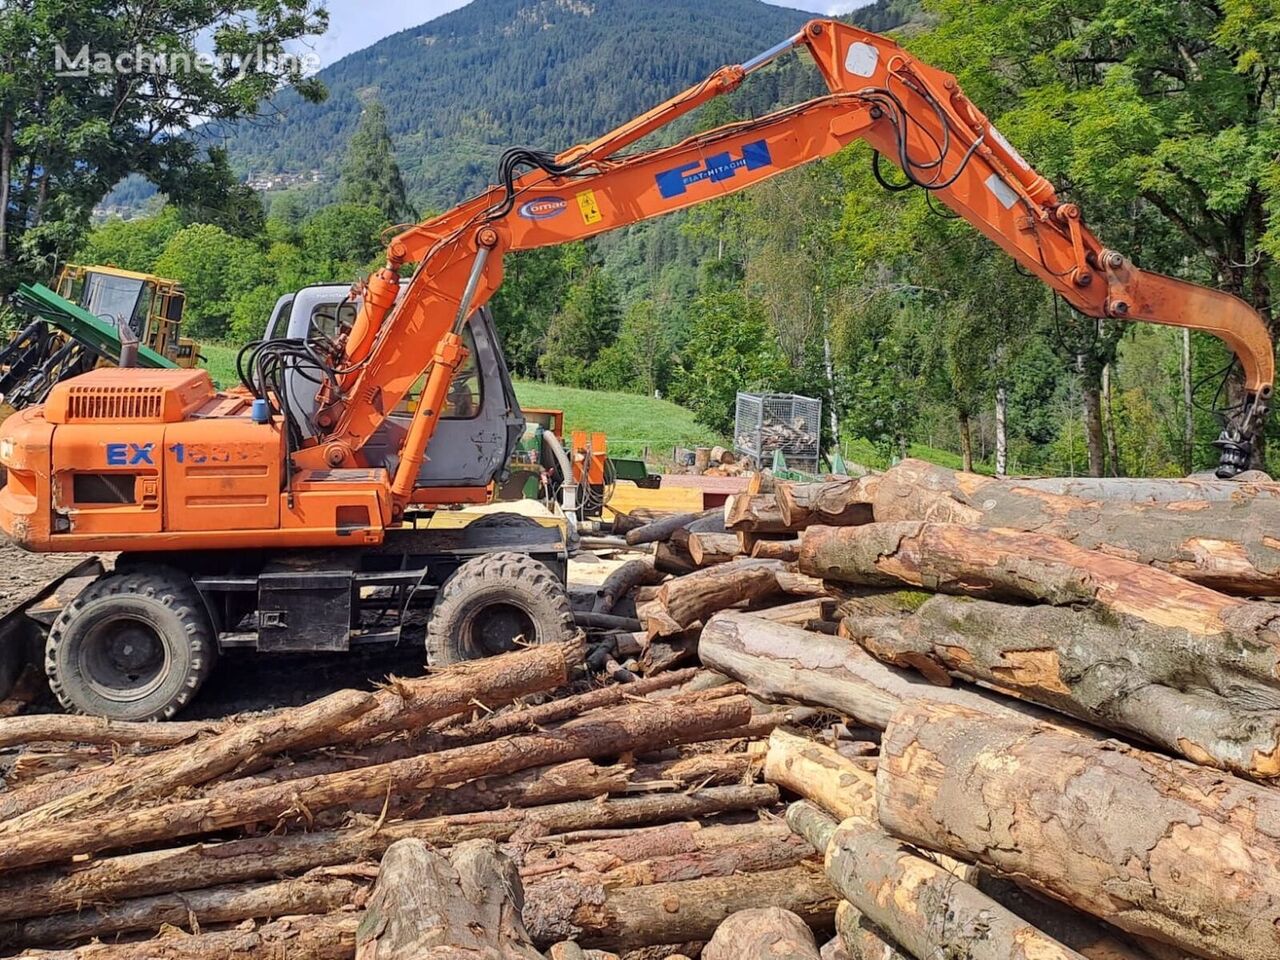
135,645
493,604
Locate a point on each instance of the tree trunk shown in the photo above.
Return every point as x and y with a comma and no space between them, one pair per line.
1002,430
918,904
1092,393
835,503
1113,448
6,172
1092,666
426,906
818,773
1225,544
313,893
1190,490
663,528
259,858
56,728
788,551
709,549
623,580
784,664
1233,639
762,933
754,513
630,918
1188,406
604,733
1153,845
139,778
861,938
688,600
669,558
329,936
966,442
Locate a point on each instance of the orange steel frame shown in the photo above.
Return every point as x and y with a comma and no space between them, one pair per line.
459,267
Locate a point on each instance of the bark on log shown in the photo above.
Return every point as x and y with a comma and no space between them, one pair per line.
623,580
669,558
784,664
662,529
1089,665
683,912
751,854
762,933
328,936
55,728
313,893
1234,644
787,551
1155,846
921,906
257,858
156,775
424,906
862,939
835,503
712,548
605,733
754,513
820,775
1225,544
1130,490
690,599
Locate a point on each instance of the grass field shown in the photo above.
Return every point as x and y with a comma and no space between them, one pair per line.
631,422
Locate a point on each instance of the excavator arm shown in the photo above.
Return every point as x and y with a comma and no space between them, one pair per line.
909,112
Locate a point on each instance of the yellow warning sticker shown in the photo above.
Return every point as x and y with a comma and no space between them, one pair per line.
590,209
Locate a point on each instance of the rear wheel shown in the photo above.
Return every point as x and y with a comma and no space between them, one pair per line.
495,603
135,645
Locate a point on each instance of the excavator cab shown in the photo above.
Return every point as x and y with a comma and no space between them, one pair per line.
482,423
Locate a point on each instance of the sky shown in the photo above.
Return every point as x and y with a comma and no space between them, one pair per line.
355,24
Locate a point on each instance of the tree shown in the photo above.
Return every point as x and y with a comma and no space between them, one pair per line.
370,174
586,325
131,244
216,269
343,239
70,131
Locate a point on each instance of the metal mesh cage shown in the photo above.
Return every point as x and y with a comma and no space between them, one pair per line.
768,422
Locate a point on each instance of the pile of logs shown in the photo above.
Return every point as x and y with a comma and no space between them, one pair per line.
915,715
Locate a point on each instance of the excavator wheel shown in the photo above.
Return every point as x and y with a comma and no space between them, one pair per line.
495,603
134,645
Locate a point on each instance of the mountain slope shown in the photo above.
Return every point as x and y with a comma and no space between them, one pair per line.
497,73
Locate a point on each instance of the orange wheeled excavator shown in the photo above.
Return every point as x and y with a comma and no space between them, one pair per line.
288,520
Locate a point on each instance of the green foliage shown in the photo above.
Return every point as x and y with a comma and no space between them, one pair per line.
131,244
216,269
370,174
584,327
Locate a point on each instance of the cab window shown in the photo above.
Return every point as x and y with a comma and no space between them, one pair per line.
465,393
329,318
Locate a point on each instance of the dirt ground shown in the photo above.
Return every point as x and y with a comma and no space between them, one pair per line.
245,681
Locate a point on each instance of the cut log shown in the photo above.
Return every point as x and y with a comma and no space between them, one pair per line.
786,550
762,933
917,903
55,728
821,775
328,936
783,664
756,851
257,858
712,548
1137,490
145,778
317,892
694,598
1238,639
629,918
604,733
1224,544
1153,845
754,513
1121,675
862,939
623,580
424,905
834,503
662,529
672,559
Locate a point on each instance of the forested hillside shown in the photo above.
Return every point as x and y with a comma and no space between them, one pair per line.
501,73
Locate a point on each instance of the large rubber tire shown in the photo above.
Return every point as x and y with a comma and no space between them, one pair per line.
497,603
134,645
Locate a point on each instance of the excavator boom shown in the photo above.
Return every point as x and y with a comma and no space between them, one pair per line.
911,113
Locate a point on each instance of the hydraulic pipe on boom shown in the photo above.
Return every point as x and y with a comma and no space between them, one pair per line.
912,114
